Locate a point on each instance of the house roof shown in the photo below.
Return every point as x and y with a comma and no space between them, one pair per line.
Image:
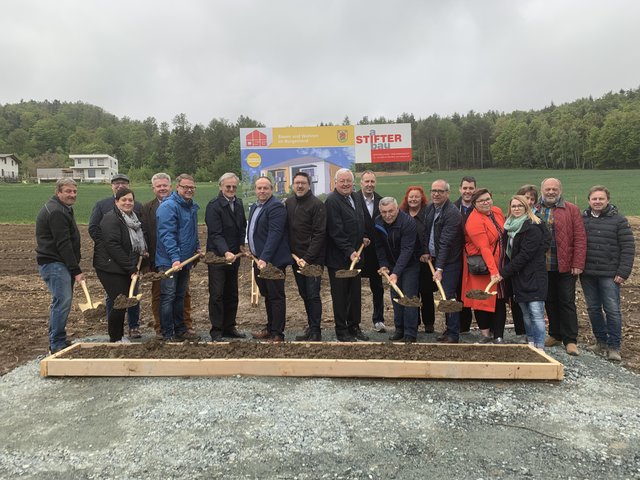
11,155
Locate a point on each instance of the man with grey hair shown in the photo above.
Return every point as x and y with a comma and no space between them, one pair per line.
565,261
345,234
398,255
161,186
58,256
226,231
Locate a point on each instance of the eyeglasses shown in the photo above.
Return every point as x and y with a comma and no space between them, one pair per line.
230,187
516,207
186,187
439,192
344,182
484,200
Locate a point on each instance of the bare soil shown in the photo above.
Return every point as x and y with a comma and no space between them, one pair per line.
24,302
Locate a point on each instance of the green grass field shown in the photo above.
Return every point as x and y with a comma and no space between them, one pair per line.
20,203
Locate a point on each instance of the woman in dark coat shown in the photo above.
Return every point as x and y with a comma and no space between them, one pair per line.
527,240
119,245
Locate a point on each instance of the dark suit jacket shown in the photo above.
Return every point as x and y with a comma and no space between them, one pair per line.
149,227
371,264
225,229
101,208
270,238
345,230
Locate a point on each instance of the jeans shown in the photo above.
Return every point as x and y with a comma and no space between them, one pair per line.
561,307
602,293
60,283
450,279
172,292
533,318
309,289
406,319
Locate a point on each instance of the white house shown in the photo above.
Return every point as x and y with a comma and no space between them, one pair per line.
94,168
9,164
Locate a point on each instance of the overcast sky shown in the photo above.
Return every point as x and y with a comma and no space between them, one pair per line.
302,62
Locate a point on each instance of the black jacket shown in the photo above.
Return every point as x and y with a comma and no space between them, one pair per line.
112,252
527,267
371,265
100,209
448,234
610,244
307,220
396,244
148,218
465,215
226,230
57,236
345,230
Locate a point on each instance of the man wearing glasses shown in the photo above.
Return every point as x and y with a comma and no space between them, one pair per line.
444,240
226,229
177,240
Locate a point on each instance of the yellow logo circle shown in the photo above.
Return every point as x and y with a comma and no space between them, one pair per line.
254,160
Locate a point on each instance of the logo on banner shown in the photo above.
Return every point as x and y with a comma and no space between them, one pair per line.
343,135
256,139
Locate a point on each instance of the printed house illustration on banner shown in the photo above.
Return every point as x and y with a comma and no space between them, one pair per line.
321,171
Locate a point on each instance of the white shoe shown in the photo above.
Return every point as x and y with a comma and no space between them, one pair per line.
379,327
124,340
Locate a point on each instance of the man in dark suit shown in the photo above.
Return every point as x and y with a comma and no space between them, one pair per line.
345,234
268,241
102,207
161,185
464,205
369,201
226,229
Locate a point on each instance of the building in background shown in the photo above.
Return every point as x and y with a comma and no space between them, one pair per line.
95,168
9,165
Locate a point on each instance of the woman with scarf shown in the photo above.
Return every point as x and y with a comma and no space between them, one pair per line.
483,233
527,240
119,245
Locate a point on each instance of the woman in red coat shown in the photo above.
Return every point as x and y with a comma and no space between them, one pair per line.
483,236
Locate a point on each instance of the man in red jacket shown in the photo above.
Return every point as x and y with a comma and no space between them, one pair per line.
565,261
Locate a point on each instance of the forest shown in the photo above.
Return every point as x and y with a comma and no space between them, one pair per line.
588,133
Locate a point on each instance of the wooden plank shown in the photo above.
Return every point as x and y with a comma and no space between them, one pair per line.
547,369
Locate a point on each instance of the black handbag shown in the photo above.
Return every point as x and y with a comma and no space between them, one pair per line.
476,264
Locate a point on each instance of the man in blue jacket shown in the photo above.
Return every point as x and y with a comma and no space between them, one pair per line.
177,240
269,243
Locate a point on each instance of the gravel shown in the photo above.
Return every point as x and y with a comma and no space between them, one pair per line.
586,426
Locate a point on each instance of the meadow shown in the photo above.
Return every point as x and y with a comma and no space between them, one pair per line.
20,203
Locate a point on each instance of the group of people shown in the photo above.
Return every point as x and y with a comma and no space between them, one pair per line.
529,258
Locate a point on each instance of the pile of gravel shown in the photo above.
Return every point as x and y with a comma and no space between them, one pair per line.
586,426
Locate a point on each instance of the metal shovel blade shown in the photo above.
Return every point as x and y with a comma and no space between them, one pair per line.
413,302
123,302
347,273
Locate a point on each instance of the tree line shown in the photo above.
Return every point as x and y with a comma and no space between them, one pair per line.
587,133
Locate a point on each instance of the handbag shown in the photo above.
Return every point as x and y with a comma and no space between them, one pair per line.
476,264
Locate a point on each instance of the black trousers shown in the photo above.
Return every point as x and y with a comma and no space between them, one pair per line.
426,287
223,297
115,284
561,307
274,301
347,303
493,320
518,319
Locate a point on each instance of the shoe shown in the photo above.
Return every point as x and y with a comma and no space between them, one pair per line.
442,337
123,340
572,349
428,329
345,338
169,339
216,337
396,337
487,339
552,342
261,334
614,355
187,336
191,331
233,333
408,339
599,348
274,339
499,341
359,334
56,350
449,340
309,336
315,337
379,327
134,333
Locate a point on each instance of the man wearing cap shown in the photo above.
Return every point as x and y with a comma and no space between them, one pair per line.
118,182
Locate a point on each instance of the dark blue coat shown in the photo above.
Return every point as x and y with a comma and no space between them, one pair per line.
396,244
345,230
448,234
270,237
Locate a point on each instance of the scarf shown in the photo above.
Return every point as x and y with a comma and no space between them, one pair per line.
135,232
512,226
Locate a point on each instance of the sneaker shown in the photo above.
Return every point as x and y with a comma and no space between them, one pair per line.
614,355
499,341
428,329
134,333
380,327
359,334
123,340
572,349
396,336
486,339
552,342
599,348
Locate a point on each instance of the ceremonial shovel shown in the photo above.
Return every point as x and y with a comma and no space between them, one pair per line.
307,269
90,310
269,272
404,301
351,272
444,305
482,294
157,276
121,302
211,258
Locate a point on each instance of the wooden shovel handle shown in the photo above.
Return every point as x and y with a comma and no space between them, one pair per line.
134,279
491,284
355,260
393,285
83,284
297,259
433,272
186,262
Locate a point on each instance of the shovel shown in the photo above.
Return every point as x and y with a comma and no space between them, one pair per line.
91,310
444,305
269,272
121,302
255,291
157,276
307,269
482,294
211,258
351,272
404,301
